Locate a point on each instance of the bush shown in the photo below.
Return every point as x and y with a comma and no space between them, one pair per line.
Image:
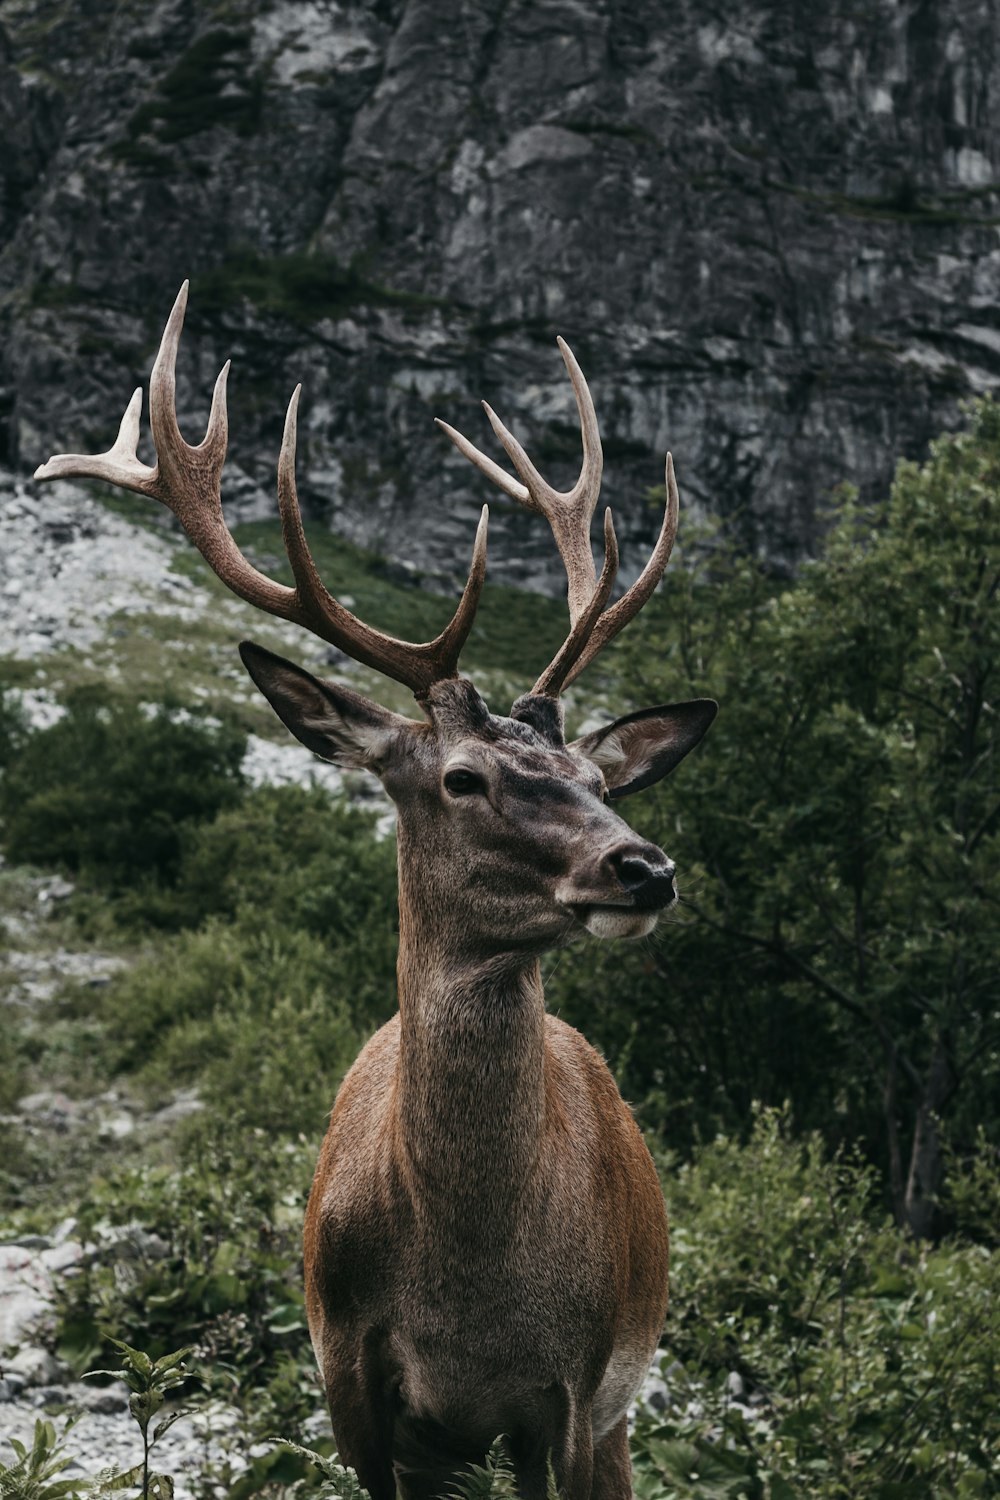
303,860
13,728
287,962
214,1259
259,1017
871,1363
110,789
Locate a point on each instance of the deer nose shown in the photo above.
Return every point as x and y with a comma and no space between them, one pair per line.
645,873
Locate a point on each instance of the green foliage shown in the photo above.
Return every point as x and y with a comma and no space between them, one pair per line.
868,1355
299,859
216,1263
838,838
972,1190
110,788
493,1480
32,1475
150,1382
210,85
261,1019
13,728
287,962
337,1482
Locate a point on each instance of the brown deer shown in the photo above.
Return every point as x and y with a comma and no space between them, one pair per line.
486,1241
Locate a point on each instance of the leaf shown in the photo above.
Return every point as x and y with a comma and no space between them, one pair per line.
138,1360
161,1487
488,1481
110,1483
171,1361
143,1405
168,1422
345,1483
710,1473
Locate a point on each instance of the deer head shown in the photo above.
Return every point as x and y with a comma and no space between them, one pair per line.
507,833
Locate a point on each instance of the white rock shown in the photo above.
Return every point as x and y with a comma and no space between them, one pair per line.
60,1257
184,1104
50,1105
116,1127
77,564
26,1292
36,1366
270,764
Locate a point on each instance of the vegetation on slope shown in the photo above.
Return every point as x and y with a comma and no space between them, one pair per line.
813,1046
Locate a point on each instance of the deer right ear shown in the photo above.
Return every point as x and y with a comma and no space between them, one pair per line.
330,720
642,748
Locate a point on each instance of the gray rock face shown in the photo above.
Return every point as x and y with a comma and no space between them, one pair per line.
769,231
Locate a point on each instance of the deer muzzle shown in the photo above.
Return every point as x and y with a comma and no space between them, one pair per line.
621,892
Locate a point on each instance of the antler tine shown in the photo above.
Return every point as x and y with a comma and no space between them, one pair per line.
560,669
187,480
119,465
569,512
418,666
630,603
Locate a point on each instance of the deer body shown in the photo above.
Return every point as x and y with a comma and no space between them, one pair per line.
499,1194
485,1242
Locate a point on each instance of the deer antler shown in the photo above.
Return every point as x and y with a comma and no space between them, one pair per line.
186,479
569,515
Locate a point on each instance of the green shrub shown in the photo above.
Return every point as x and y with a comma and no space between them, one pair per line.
259,1017
13,728
300,859
875,1361
223,1272
837,836
110,789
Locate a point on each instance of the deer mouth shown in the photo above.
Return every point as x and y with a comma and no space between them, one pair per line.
611,920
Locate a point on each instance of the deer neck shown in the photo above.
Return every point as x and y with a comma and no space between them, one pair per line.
470,1092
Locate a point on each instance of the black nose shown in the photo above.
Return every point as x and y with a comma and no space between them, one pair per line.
646,874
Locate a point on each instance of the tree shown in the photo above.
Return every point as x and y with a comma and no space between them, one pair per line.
109,789
845,813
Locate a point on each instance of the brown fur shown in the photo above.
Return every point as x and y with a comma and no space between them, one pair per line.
486,1241
485,1288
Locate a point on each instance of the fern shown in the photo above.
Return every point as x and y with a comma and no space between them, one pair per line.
339,1483
493,1480
32,1475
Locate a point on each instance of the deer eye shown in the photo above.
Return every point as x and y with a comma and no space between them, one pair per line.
463,783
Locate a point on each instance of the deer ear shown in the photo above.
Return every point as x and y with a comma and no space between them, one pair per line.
642,748
330,720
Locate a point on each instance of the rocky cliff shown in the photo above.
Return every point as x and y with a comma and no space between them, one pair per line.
768,230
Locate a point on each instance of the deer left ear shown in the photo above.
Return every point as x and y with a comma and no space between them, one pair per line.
642,748
330,720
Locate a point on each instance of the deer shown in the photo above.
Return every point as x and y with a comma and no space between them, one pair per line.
485,1243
